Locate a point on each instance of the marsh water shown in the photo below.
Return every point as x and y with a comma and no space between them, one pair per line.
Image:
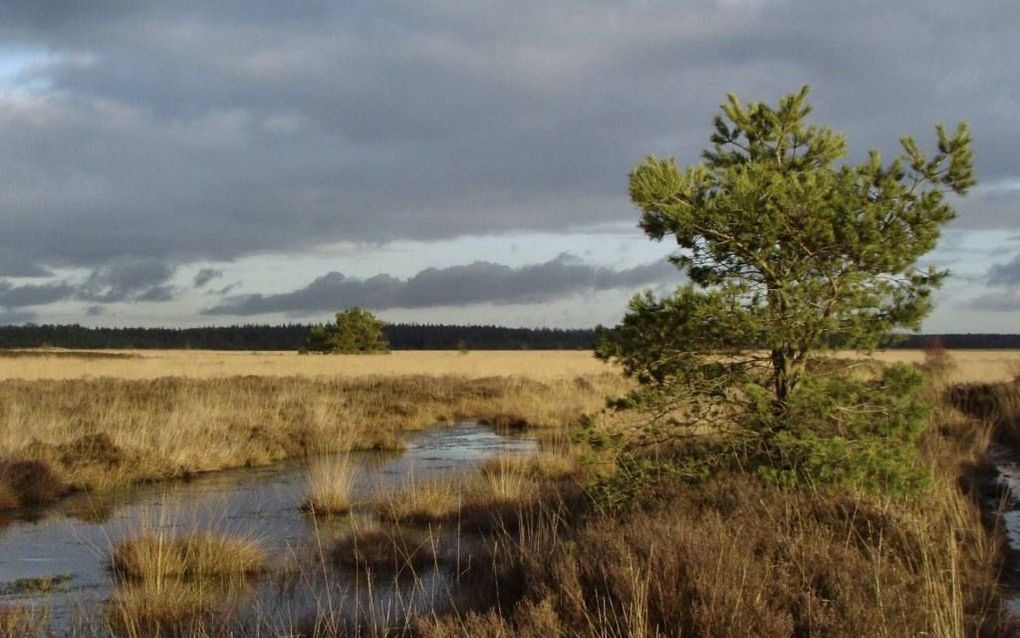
1005,461
58,556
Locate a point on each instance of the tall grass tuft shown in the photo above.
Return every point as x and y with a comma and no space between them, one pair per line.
158,557
506,478
331,481
422,501
19,621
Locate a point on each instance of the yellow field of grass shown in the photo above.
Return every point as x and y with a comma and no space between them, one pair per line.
87,420
538,365
150,364
965,366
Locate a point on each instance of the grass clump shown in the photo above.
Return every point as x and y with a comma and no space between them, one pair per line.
422,501
30,481
170,608
506,478
157,557
331,482
556,465
19,621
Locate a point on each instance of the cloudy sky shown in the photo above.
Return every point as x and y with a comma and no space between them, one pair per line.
189,163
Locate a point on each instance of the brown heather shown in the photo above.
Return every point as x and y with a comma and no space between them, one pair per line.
397,550
732,557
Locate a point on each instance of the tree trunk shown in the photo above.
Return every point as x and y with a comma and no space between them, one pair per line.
785,368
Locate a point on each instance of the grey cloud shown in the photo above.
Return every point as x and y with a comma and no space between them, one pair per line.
33,295
1007,274
989,208
225,290
15,264
267,126
15,317
206,275
478,282
128,277
124,278
157,293
1003,301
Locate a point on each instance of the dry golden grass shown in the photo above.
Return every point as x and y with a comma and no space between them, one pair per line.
488,499
19,621
965,366
548,465
330,485
158,558
542,365
505,478
171,608
422,501
97,433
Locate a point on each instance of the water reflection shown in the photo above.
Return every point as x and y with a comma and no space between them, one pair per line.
71,539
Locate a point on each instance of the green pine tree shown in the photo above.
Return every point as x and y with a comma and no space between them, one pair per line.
356,331
789,253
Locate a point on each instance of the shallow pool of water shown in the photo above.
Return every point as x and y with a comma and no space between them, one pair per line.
64,548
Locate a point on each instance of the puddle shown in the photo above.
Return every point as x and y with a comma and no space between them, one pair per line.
57,556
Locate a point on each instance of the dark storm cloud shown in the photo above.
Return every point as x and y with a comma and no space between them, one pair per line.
204,276
128,277
12,296
123,278
478,282
185,130
1007,274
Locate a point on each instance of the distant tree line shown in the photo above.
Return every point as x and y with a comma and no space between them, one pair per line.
292,337
400,336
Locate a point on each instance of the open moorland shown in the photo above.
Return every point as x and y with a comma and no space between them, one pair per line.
81,421
84,420
542,365
526,545
198,364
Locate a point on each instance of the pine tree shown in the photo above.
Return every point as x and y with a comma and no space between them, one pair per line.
784,249
356,331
